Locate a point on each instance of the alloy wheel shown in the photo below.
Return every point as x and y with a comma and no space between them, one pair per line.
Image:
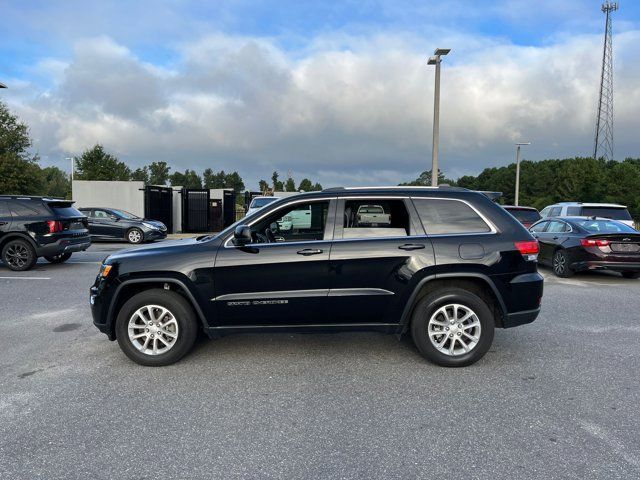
559,263
454,329
17,255
153,330
135,236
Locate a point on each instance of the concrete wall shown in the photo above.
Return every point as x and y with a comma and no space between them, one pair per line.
128,196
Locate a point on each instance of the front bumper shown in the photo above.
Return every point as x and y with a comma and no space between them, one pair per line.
606,265
155,235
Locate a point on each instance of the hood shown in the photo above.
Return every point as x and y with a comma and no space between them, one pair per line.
154,249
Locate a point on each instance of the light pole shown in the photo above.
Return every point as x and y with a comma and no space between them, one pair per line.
518,145
71,159
436,60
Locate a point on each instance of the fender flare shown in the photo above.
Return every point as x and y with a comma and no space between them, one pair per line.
14,235
175,281
406,313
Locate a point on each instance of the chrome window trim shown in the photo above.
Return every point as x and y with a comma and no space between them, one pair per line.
284,205
492,228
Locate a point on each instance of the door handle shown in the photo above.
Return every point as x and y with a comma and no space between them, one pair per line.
309,251
3,223
555,238
411,246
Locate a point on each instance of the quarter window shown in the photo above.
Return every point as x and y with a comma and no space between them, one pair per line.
449,217
375,218
301,222
20,209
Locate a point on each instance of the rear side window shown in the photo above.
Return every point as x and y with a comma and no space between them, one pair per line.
606,212
554,212
449,217
23,209
373,218
4,210
573,211
557,227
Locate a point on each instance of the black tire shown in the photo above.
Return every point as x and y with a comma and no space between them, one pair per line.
135,236
631,274
60,258
181,311
560,264
19,255
430,304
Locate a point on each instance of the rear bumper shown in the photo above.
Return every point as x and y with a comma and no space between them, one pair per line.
604,265
64,245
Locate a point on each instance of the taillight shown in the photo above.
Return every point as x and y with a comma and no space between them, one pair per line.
594,242
529,249
54,226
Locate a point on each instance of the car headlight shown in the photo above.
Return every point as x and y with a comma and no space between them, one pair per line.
286,218
149,225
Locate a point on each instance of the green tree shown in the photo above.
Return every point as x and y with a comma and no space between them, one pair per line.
158,173
96,164
141,175
214,180
290,185
234,180
317,187
263,186
424,180
14,134
305,185
188,179
56,183
277,184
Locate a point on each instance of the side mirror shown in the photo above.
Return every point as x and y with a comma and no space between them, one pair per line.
242,235
114,218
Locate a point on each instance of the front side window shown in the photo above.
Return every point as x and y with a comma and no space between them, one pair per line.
301,222
371,218
440,217
101,214
555,212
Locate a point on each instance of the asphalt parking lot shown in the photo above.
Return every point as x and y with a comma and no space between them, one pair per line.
555,399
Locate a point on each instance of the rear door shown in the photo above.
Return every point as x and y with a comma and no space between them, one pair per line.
371,267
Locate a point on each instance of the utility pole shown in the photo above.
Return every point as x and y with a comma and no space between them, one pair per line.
603,142
518,145
436,60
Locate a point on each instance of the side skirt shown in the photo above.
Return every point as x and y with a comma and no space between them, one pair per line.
301,328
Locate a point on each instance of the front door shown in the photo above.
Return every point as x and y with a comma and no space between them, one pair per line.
281,278
372,264
104,225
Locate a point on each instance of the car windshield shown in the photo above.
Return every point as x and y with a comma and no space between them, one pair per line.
123,214
605,226
261,202
607,212
524,215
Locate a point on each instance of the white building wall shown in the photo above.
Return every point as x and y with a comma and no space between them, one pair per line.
128,196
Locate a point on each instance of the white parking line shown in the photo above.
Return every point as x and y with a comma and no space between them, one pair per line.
25,278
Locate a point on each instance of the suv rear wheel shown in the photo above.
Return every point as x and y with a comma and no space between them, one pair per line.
19,255
156,327
452,327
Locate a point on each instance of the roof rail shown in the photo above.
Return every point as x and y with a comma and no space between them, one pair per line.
396,187
32,197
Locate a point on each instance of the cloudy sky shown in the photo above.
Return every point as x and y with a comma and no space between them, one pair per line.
336,91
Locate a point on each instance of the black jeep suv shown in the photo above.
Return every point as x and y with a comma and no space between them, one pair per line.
32,227
449,267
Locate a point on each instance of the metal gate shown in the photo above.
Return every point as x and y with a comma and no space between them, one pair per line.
158,205
229,207
195,210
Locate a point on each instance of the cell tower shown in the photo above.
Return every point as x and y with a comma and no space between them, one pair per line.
603,143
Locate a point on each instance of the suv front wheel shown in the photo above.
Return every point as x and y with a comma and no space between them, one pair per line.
156,327
452,327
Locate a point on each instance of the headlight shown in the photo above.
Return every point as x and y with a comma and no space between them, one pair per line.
286,218
148,225
104,270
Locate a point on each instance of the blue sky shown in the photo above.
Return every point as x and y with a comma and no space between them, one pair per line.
332,90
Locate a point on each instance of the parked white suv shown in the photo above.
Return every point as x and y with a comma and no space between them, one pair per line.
258,202
580,209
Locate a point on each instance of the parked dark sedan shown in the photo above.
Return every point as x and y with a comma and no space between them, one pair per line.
573,244
114,224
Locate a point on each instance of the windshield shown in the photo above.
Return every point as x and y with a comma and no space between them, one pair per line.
525,215
123,214
261,202
607,212
605,226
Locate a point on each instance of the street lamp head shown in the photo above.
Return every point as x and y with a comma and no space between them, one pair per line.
432,61
2,85
441,51
523,143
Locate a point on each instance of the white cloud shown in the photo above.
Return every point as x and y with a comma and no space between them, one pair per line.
345,110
